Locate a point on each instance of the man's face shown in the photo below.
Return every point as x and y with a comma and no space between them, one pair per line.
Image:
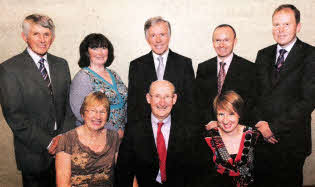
223,41
161,98
158,37
38,39
284,27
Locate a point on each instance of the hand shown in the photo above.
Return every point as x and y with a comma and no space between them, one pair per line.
263,127
54,144
211,125
120,133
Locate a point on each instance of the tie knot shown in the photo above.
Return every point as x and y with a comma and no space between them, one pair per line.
160,124
282,52
222,64
41,61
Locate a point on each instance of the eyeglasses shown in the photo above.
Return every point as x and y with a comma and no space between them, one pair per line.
94,112
159,97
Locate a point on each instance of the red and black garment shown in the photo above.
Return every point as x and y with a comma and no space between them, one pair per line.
240,168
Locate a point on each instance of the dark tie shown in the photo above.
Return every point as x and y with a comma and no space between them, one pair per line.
44,73
280,59
162,151
221,76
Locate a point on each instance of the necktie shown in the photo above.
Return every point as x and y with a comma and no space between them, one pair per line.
280,59
162,151
44,73
160,69
221,76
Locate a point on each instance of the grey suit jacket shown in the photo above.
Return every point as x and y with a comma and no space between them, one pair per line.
29,110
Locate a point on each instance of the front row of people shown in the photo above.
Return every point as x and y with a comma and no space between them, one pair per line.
158,151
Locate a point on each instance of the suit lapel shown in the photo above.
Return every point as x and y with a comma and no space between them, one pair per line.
33,73
151,143
53,73
149,67
232,72
169,66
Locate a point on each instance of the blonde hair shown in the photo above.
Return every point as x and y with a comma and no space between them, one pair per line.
229,101
95,99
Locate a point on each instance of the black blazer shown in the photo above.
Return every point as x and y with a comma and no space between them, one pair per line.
239,78
142,73
29,111
138,156
288,103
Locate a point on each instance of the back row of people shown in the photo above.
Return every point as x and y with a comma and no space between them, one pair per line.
278,92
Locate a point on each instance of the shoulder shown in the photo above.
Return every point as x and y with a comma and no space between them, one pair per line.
55,59
243,60
81,75
269,49
208,62
15,61
142,59
179,57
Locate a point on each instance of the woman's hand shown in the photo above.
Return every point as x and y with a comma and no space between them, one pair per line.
211,125
120,133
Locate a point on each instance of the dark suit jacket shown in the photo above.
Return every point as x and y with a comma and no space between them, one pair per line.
288,103
28,108
239,78
142,73
138,156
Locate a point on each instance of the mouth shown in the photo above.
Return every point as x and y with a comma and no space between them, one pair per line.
159,46
97,122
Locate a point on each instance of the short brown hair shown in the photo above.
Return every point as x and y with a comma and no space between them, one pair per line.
293,8
95,99
229,101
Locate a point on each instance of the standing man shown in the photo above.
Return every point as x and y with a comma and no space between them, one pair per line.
159,64
226,71
34,97
155,150
286,92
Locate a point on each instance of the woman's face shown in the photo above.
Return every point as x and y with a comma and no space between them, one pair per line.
95,117
227,121
98,56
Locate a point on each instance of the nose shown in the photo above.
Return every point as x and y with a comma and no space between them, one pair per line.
225,119
158,39
41,38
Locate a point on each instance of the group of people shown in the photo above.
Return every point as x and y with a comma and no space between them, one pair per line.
237,123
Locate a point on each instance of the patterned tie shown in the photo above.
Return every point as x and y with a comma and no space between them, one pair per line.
280,59
162,151
160,69
44,73
221,76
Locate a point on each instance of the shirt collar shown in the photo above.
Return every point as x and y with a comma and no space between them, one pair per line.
227,60
154,120
35,56
287,47
164,55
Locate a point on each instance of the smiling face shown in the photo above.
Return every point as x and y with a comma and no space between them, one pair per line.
95,117
161,98
38,39
98,56
158,37
227,120
223,40
284,27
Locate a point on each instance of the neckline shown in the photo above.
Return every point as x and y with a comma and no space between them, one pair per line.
101,78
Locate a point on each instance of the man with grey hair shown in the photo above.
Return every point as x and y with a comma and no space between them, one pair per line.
34,98
159,64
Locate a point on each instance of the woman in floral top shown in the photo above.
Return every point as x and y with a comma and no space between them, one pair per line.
96,54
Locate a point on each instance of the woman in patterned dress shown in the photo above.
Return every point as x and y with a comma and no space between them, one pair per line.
96,55
86,155
231,144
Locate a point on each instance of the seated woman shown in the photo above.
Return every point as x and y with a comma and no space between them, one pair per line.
96,55
86,155
231,143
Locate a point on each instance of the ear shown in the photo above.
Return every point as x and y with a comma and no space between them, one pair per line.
235,42
24,37
174,99
298,27
148,97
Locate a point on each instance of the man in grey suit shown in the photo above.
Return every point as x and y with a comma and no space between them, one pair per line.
34,97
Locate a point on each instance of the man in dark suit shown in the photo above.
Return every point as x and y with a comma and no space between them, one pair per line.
285,95
161,63
226,71
34,97
141,151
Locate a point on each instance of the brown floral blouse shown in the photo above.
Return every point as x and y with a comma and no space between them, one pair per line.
89,168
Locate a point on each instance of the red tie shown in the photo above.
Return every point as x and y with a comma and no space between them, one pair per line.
162,151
